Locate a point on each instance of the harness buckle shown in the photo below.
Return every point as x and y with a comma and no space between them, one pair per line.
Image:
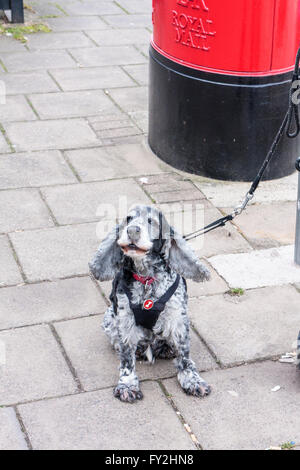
239,209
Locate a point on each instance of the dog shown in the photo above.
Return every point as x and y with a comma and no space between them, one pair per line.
149,262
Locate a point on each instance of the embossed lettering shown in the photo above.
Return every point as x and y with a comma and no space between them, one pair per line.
196,4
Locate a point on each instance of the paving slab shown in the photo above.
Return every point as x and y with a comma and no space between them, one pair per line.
272,267
9,44
16,108
131,21
71,104
28,82
77,23
261,323
88,202
11,436
54,134
141,119
37,60
92,8
136,6
139,73
91,78
104,55
216,285
112,162
58,40
9,271
34,169
97,364
260,224
56,253
35,367
131,99
230,194
23,209
4,147
49,301
88,421
253,417
112,37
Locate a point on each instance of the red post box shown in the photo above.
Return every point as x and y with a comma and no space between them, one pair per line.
220,73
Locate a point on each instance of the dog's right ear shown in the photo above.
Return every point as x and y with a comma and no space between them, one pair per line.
108,258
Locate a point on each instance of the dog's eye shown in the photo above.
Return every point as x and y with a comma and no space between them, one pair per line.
149,221
129,219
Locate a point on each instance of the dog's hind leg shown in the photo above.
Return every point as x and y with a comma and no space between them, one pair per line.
163,350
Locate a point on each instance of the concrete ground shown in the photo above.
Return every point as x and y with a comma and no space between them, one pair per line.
74,137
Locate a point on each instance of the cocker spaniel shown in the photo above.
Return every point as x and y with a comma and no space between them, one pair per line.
147,319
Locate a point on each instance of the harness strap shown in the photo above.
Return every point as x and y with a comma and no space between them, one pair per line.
148,318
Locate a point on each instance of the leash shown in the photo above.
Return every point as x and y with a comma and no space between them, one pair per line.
290,123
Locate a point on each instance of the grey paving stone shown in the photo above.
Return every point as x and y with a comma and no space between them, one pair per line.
255,419
112,37
72,104
4,147
28,82
136,6
11,436
34,169
77,23
56,253
131,99
144,49
141,120
259,324
9,44
97,364
58,40
88,202
49,301
23,209
139,73
82,422
215,286
43,8
92,8
35,367
222,240
9,271
131,21
56,134
260,224
99,56
91,78
16,108
37,60
112,162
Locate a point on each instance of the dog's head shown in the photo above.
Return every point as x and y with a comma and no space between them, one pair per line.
145,233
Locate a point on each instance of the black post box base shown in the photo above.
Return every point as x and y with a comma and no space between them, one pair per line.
219,126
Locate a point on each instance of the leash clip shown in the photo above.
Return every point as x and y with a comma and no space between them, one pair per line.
239,209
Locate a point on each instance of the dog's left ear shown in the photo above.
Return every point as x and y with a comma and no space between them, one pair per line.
182,259
108,258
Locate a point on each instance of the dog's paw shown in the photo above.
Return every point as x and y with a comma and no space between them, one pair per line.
206,276
198,389
127,393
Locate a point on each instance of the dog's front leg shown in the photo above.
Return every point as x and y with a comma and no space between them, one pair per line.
187,375
128,387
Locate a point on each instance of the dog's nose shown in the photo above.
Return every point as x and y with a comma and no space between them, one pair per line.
133,232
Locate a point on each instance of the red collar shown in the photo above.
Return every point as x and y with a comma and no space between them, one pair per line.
143,279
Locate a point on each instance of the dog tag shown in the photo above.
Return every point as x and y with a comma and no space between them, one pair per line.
148,304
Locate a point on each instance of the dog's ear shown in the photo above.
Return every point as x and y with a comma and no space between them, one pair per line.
182,259
108,258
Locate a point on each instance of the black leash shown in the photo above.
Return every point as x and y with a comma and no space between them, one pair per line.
290,120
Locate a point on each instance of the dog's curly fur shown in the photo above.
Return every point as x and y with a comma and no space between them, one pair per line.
163,260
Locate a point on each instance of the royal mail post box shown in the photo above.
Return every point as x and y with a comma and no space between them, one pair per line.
220,74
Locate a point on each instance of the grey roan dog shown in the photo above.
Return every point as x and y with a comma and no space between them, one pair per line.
149,263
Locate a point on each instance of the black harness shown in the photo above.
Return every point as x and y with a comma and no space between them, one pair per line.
147,318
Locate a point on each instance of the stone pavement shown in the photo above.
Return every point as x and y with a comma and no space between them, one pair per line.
73,136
